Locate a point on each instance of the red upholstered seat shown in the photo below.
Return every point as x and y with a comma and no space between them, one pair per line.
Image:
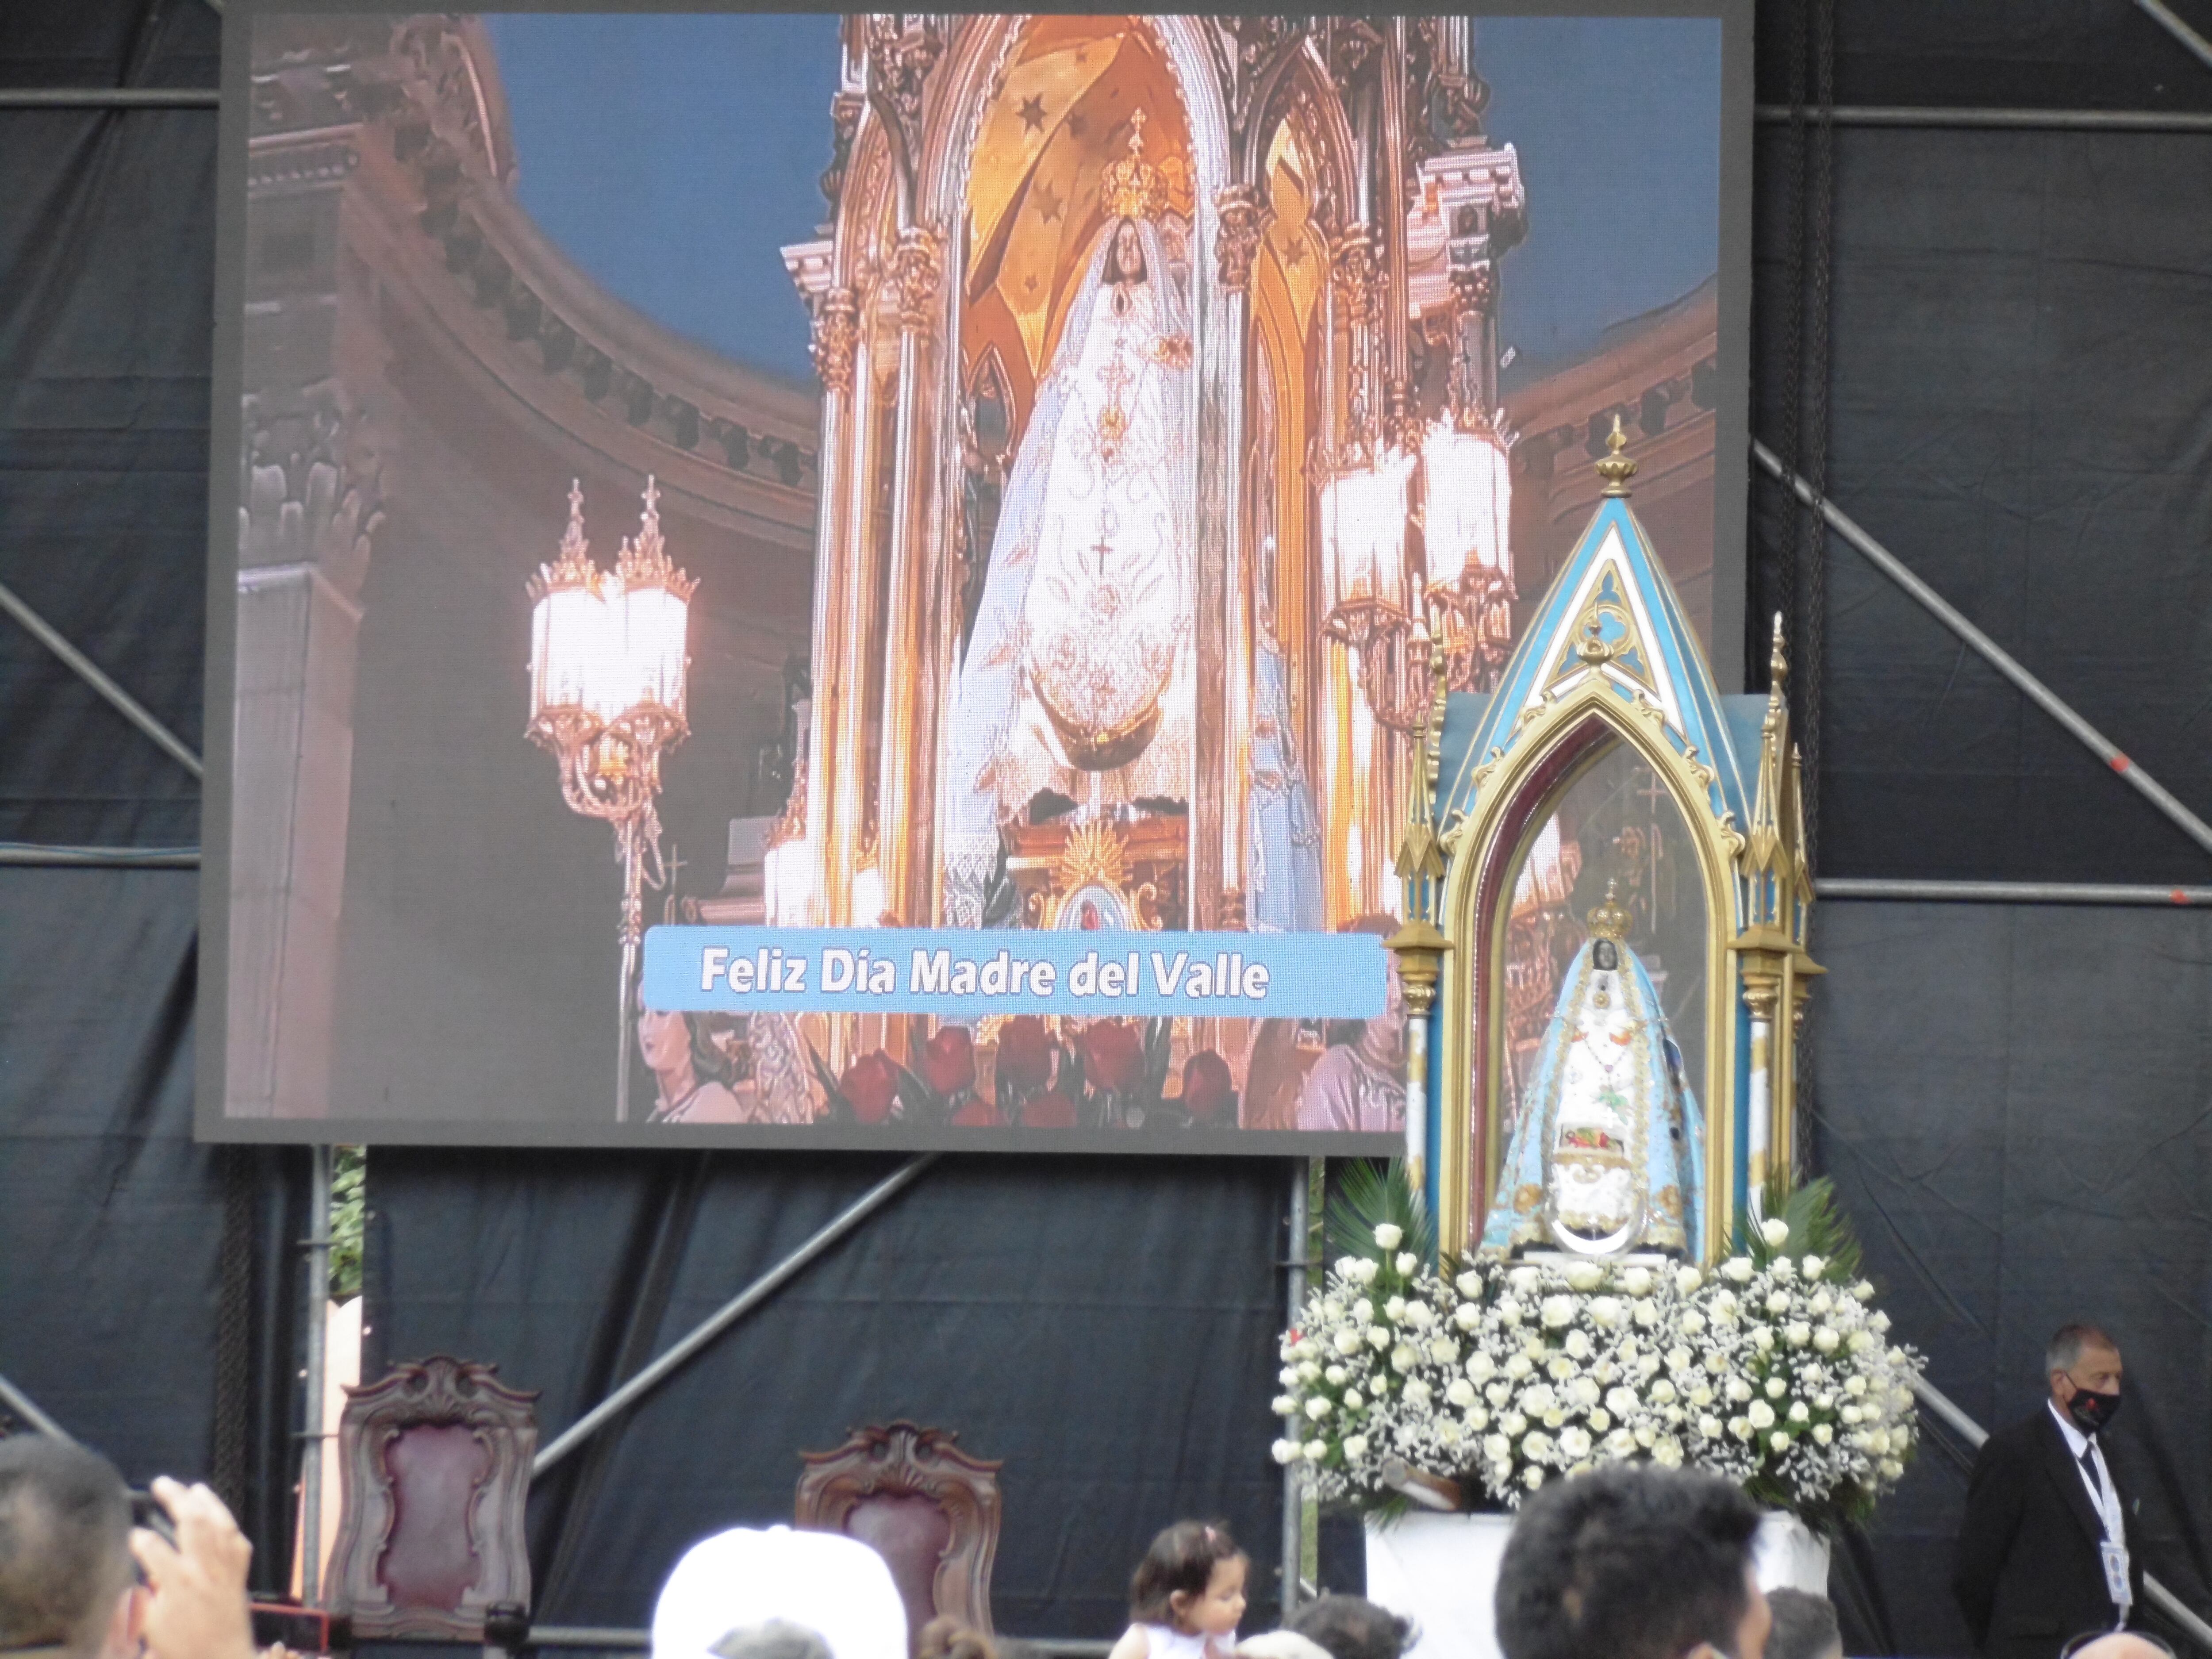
433,1464
927,1507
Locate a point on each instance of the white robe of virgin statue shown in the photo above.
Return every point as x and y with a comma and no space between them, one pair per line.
1083,639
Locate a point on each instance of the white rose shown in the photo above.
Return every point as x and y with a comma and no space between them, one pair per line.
1779,1441
1481,1367
1584,1391
1470,1283
1477,1418
1509,1312
1286,1451
1783,1268
1823,1303
1513,1423
1647,1365
1725,1305
1318,1407
1687,1280
1663,1391
1348,1342
1679,1359
1813,1266
1600,1421
1531,1477
1860,1342
1878,1320
1378,1338
1850,1414
1584,1276
1443,1351
1536,1444
1389,1236
1778,1301
1308,1372
1854,1385
1738,1268
1710,1426
1775,1231
1647,1316
1467,1315
1517,1366
1407,1262
1402,1357
1620,1443
1692,1323
1668,1454
1763,1339
1337,1376
1740,1428
1497,1393
1353,1400
1738,1388
1825,1340
1863,1290
1761,1415
1577,1346
1637,1281
1418,1392
1891,1469
1822,1434
1460,1393
1622,1402
1701,1396
1558,1311
1878,1440
1539,1398
1575,1443
1420,1315
1524,1281
1798,1332
1822,1402
1776,1388
1315,1451
1716,1362
1284,1406
1394,1309
1606,1311
1355,1447
1644,1435
1365,1271
1363,1312
1798,1413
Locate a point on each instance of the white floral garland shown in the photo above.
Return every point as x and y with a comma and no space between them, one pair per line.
1774,1373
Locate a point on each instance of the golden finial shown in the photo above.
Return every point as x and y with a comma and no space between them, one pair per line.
1778,663
1132,188
571,567
1616,469
1609,921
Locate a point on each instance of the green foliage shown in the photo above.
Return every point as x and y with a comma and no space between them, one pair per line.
1818,1226
1369,1194
349,1214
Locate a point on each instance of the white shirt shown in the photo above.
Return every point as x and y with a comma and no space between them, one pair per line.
2103,1494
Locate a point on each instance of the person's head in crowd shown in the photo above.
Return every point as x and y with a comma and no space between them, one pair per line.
778,1638
948,1639
1192,1579
731,1588
1804,1626
1632,1561
2082,1366
1354,1627
66,1585
2116,1644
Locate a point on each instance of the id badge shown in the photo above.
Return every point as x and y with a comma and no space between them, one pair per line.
2115,1558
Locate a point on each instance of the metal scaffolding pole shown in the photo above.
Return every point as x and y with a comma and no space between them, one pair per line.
2167,19
90,672
1989,651
1953,116
2012,892
26,855
107,98
732,1311
1294,1298
318,1246
26,1408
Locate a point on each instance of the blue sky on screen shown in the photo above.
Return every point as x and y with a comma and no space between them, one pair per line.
672,156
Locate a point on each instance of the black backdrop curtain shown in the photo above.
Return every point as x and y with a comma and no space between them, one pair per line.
2014,1101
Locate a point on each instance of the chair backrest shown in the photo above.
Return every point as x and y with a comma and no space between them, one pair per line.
927,1507
434,1465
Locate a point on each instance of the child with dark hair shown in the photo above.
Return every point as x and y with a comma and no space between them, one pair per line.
1186,1596
1354,1627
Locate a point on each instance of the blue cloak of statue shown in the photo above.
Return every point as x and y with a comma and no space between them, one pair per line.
1607,1154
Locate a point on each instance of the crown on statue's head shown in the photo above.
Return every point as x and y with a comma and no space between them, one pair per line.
1132,188
1609,921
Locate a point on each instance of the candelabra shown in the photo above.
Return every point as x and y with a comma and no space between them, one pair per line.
607,669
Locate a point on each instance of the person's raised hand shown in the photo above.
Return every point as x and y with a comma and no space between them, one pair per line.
196,1604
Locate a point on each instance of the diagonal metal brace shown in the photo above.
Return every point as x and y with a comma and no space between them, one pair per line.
1990,652
91,673
730,1312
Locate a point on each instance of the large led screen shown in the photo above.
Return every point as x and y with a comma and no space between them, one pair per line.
800,580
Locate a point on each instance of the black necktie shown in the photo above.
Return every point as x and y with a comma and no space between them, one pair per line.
2089,1465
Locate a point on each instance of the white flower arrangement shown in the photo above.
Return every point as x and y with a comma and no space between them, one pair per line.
1774,1372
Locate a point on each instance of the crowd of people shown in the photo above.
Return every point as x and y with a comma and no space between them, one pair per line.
1627,1561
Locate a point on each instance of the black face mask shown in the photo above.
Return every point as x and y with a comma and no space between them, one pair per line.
2090,1411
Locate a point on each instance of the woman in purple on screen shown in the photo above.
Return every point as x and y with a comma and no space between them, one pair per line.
1359,1083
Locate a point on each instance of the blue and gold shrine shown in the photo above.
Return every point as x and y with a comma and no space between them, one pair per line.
1606,897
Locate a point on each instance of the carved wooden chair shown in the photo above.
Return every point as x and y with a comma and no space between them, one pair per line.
927,1507
434,1465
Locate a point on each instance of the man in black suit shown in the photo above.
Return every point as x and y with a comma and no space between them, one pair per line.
2043,1552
